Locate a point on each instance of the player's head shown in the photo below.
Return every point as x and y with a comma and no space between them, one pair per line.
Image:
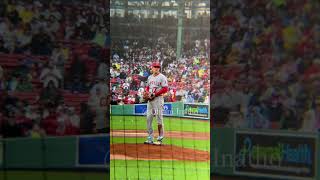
155,67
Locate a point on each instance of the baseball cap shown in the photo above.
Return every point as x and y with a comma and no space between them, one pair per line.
156,64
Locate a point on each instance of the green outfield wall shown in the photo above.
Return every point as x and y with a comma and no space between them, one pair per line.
174,109
54,152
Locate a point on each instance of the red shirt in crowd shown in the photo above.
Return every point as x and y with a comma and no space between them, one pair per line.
70,129
50,124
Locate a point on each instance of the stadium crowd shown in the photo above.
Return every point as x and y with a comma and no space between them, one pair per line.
188,77
266,64
53,67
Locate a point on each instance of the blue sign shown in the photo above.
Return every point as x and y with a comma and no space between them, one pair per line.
141,109
167,109
93,151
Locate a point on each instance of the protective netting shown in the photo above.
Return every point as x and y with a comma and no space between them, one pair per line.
177,37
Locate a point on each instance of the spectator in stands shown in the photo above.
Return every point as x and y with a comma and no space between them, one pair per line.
24,85
8,102
10,127
2,48
22,121
53,24
9,38
101,85
62,117
311,122
122,75
51,95
102,72
12,83
100,36
50,123
236,120
23,40
72,125
289,120
95,52
36,131
86,119
97,101
255,118
51,74
69,30
41,43
78,69
34,113
58,58
78,86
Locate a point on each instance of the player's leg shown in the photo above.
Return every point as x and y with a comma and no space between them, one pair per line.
149,122
159,115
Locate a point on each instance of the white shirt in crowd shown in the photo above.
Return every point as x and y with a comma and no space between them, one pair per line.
50,74
102,71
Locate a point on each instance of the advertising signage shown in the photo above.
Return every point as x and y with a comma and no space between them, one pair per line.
275,155
196,110
141,109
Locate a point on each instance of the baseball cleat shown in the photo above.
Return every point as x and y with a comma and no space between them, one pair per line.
160,138
149,140
157,143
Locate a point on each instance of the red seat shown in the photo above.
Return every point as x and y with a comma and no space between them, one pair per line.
31,97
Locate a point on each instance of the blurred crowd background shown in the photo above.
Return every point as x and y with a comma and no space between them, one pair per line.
266,64
188,76
53,67
142,38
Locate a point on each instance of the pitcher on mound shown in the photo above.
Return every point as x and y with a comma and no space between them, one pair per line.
157,85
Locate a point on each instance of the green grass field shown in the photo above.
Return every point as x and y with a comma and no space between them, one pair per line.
52,175
155,169
159,170
171,124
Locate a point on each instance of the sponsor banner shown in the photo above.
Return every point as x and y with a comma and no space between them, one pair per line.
93,151
141,109
196,110
277,155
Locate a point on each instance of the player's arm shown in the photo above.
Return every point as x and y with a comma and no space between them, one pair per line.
164,89
146,95
147,88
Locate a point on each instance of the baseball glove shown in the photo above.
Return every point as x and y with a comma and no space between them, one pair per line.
152,96
146,96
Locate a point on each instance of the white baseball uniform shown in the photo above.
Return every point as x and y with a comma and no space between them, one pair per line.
155,106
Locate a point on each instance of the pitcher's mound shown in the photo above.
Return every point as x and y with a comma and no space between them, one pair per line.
152,152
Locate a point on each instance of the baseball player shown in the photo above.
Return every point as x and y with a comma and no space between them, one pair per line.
157,85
